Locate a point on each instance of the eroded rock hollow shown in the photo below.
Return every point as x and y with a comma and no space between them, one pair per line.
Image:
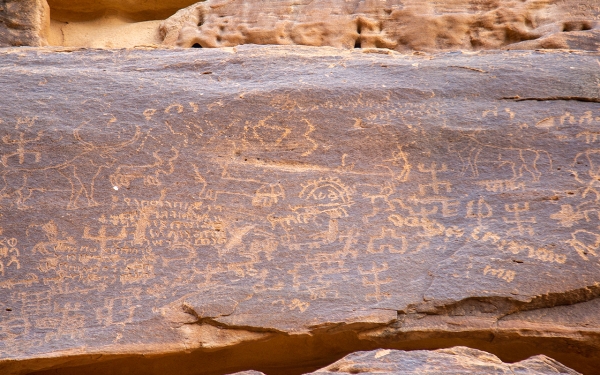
423,25
276,209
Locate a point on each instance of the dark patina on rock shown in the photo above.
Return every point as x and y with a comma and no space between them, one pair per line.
179,201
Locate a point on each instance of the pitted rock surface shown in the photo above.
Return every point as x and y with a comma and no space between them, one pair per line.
421,25
171,201
393,24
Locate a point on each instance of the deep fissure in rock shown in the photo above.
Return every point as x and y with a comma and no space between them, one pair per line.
283,354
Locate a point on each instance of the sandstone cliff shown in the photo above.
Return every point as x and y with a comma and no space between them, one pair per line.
422,25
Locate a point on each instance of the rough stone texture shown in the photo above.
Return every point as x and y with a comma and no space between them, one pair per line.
457,360
24,22
109,23
399,25
290,205
425,25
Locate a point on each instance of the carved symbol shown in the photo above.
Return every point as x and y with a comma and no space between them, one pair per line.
265,134
315,145
484,211
102,238
590,136
479,157
376,282
567,216
500,273
8,248
388,239
149,174
82,171
21,152
401,158
435,183
51,232
585,243
268,195
592,160
296,303
518,220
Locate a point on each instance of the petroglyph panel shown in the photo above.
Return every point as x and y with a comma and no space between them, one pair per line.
235,187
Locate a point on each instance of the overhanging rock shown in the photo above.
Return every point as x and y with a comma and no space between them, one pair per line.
163,202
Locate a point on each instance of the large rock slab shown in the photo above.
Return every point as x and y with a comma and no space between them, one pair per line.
170,201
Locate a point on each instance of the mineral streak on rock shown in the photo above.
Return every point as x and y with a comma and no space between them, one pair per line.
393,24
457,360
165,202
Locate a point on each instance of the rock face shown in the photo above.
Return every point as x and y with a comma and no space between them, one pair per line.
109,23
24,22
457,360
394,24
422,25
292,205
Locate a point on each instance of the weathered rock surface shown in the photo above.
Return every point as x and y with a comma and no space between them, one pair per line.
282,206
109,23
24,22
394,24
423,25
457,360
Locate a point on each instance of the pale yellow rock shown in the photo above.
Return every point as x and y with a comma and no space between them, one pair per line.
110,31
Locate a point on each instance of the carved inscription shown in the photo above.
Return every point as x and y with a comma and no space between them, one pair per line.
297,205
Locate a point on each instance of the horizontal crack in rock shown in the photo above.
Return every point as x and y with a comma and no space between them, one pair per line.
550,98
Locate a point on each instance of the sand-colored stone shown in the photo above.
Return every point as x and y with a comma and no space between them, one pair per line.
109,23
108,31
423,25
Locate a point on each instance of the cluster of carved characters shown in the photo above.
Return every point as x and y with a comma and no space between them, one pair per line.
213,209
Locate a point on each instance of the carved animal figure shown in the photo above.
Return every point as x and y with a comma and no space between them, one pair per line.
496,162
80,171
149,173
